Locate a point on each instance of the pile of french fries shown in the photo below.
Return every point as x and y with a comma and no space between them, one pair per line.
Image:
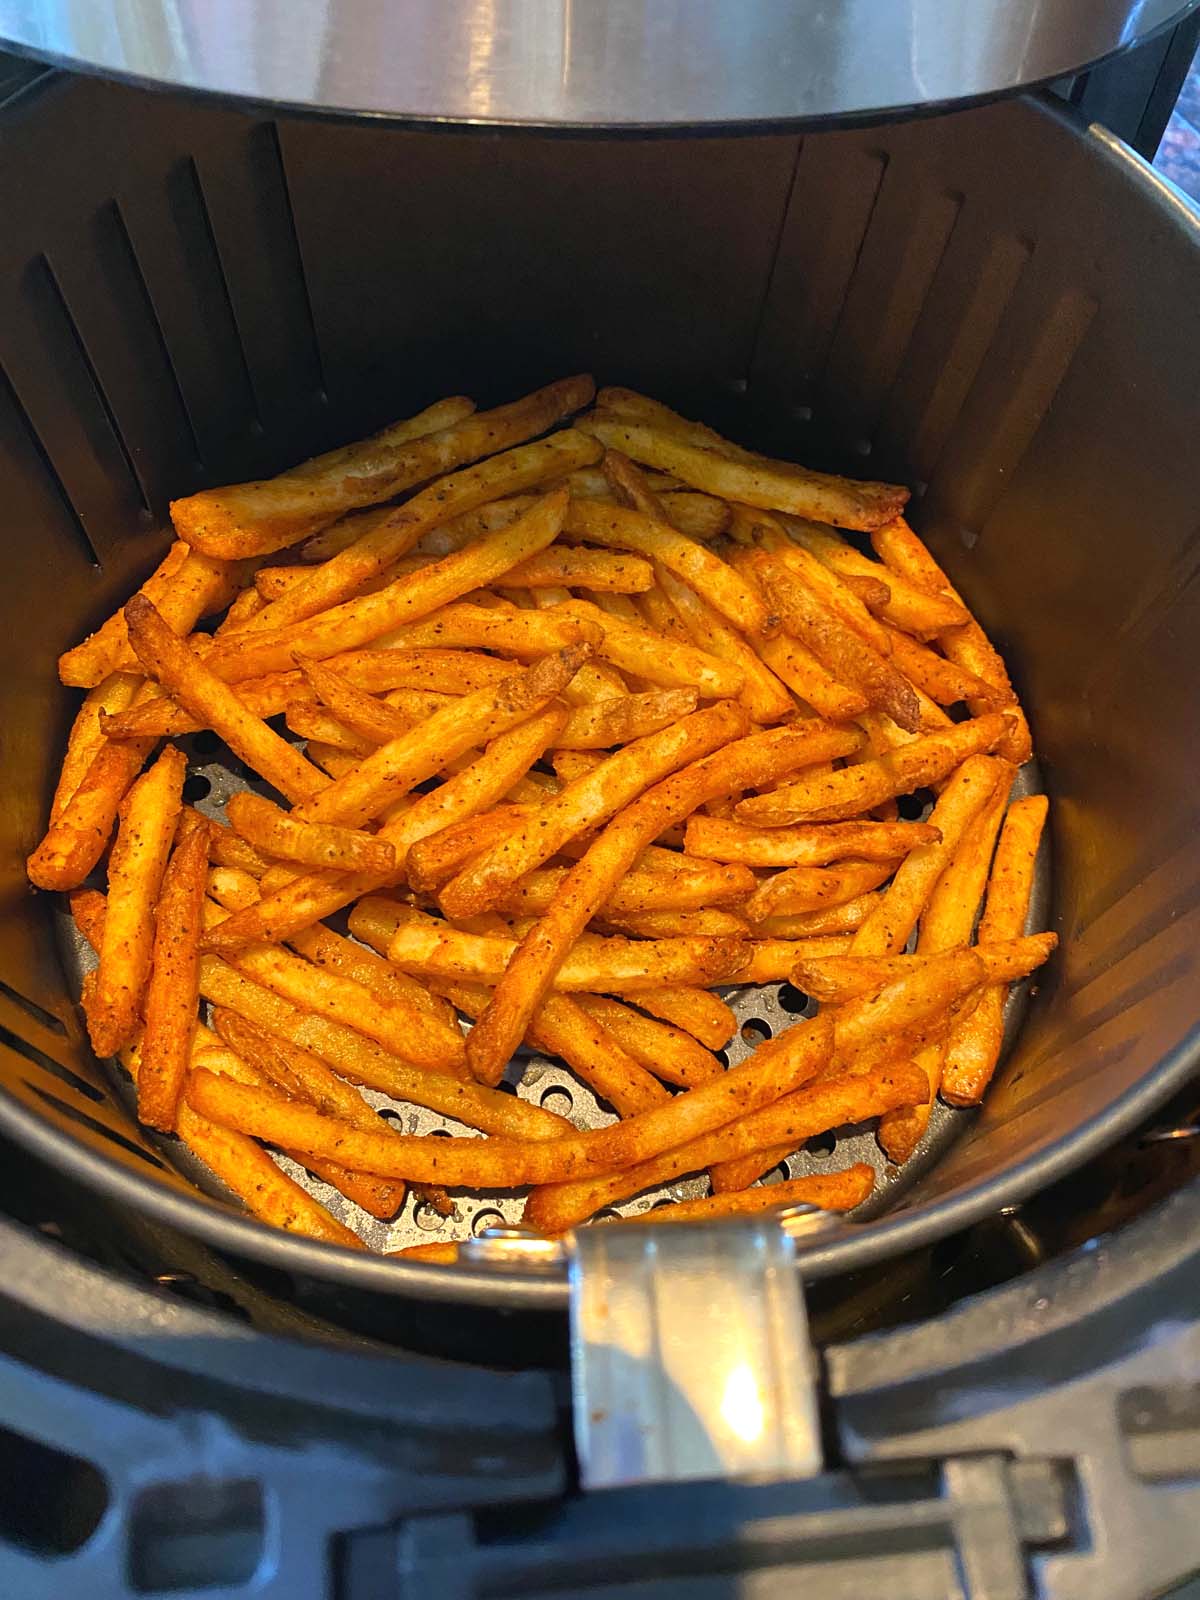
598,716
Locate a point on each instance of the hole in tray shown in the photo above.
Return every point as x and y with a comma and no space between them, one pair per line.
912,807
862,447
485,1219
557,1099
791,999
776,1175
50,1501
425,1217
755,1030
821,1144
196,787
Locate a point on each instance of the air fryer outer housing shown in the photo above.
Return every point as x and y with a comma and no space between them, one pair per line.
997,306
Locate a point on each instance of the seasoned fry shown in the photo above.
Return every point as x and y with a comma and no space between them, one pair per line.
317,844
940,679
563,1028
148,818
744,764
770,1075
973,1048
590,800
832,1191
814,845
618,720
758,482
962,799
848,657
765,697
856,789
799,889
173,991
359,1059
328,949
172,663
705,1016
909,606
832,591
598,965
638,651
812,924
522,634
834,979
795,1117
86,738
622,528
582,569
356,622
666,1051
640,891
772,960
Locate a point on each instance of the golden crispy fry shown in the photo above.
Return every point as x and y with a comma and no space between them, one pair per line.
228,849
856,789
362,1061
317,844
666,1051
563,1028
705,1016
640,891
172,663
909,606
772,1073
832,1191
590,800
973,1048
772,960
582,569
964,796
522,634
442,1252
86,738
646,655
812,924
298,1072
89,663
622,528
744,764
355,622
848,657
596,965
369,718
321,727
328,949
625,717
795,1117
172,995
757,482
812,845
834,979
966,645
148,818
397,767
765,697
931,988
831,591
800,889
938,678
948,919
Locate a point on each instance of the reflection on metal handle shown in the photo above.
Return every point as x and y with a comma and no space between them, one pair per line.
690,1353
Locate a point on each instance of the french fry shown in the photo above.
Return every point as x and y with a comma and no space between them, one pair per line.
622,718
673,924
799,889
148,819
964,796
228,849
597,965
321,727
582,569
835,979
639,891
973,1048
172,994
623,528
855,789
357,621
832,1191
931,988
316,844
563,1028
743,764
830,1103
770,1075
967,645
255,518
772,960
172,663
765,697
666,1051
837,647
88,664
938,678
637,650
829,588
758,482
298,1072
522,634
813,845
705,1016
394,769
841,919
909,606
359,1059
590,800
325,948
111,696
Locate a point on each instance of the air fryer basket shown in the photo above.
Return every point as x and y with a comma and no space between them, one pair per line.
998,306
